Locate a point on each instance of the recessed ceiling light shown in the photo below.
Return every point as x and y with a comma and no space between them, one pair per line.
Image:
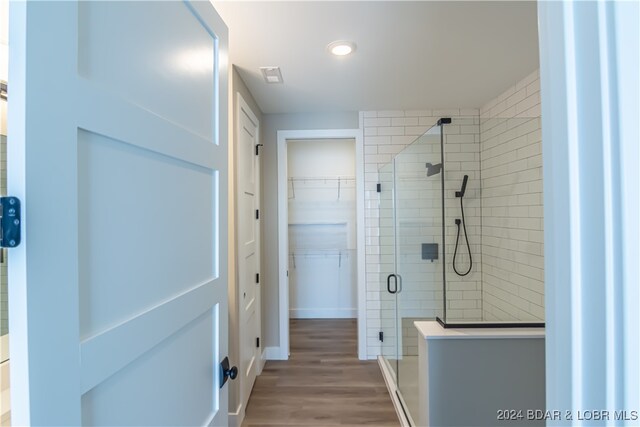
341,47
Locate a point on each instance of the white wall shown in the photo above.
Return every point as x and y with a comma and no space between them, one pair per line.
271,124
322,228
321,157
512,214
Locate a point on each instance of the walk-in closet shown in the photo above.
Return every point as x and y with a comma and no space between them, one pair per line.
322,228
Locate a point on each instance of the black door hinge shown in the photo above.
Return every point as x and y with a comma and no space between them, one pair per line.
10,222
257,277
258,148
379,188
381,336
258,342
257,213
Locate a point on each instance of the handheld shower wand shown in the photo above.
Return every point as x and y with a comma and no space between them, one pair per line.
464,187
464,228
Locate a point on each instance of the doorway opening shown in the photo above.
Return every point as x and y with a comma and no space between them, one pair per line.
321,229
321,197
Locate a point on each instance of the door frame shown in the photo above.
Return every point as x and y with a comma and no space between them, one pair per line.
283,236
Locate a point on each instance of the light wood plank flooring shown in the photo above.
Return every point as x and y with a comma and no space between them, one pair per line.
323,383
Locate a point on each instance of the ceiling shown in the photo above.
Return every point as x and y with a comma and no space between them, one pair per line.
410,55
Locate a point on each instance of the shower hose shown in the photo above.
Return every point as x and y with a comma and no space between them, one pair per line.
455,252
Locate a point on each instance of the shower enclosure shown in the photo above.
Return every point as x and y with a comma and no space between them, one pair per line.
431,214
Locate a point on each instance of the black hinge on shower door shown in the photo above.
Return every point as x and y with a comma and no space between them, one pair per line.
258,342
257,277
257,213
381,336
378,188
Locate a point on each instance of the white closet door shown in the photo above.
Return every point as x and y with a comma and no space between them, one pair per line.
119,153
248,246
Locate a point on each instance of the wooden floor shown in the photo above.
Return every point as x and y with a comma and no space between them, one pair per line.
323,383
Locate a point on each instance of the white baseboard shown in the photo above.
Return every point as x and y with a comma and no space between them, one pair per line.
323,313
273,353
236,418
262,361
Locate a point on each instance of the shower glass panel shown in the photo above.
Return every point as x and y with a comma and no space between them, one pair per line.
418,175
463,234
493,222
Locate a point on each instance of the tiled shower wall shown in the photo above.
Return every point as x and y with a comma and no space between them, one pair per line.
512,217
386,134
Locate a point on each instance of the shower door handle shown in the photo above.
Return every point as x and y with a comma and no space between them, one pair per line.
395,283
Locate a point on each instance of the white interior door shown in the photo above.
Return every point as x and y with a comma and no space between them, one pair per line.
248,173
119,153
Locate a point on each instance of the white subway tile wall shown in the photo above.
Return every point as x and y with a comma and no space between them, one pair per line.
503,213
512,217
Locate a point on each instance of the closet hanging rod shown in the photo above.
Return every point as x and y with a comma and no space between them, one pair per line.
312,254
319,251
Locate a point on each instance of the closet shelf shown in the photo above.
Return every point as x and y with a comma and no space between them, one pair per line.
339,180
320,253
317,223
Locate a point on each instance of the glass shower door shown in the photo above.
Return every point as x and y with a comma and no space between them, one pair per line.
418,176
388,328
411,273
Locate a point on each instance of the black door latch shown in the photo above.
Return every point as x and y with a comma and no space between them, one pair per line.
226,372
9,222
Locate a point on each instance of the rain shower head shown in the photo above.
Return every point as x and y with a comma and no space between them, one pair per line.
433,169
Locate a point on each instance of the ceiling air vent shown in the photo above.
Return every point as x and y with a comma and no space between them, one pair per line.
271,74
